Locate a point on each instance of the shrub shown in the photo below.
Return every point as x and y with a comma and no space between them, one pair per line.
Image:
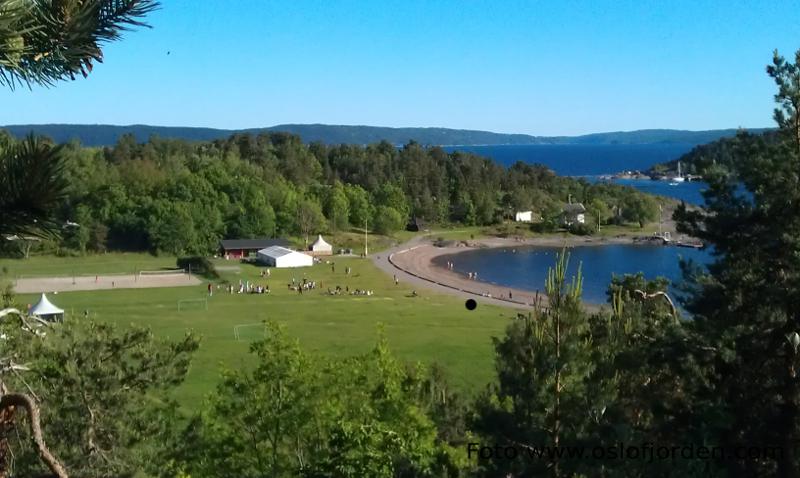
199,265
580,229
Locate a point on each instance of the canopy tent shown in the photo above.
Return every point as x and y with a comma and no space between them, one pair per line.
320,247
277,256
45,310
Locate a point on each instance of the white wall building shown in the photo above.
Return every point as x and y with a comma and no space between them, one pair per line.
573,213
524,216
277,256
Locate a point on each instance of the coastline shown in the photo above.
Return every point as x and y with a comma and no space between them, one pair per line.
413,262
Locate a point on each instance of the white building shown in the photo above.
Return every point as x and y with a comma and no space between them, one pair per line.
524,216
320,247
573,213
277,256
45,310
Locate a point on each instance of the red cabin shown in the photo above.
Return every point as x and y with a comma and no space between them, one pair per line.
241,248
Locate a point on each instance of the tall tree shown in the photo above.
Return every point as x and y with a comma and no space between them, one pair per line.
543,364
747,306
309,217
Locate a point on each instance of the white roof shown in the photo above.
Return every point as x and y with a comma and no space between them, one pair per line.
276,251
45,307
320,242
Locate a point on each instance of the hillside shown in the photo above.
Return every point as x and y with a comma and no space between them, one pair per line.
106,135
721,152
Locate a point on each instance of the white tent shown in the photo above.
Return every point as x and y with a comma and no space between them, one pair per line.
320,247
45,310
277,256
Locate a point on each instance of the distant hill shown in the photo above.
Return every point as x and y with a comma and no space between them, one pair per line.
104,135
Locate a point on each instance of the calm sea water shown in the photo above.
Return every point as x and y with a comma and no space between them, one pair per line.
593,160
527,267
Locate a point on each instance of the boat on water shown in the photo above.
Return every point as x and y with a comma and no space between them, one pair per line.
679,178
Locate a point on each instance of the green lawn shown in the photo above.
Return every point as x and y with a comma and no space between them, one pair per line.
117,262
428,328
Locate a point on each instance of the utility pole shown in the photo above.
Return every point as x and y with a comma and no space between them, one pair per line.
365,238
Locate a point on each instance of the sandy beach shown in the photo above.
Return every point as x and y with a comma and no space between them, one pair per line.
413,262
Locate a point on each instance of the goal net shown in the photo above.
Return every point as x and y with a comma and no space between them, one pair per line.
162,272
193,304
249,332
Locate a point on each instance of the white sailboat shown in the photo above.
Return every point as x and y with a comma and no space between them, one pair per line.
679,178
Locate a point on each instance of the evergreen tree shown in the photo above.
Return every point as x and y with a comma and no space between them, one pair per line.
746,322
543,364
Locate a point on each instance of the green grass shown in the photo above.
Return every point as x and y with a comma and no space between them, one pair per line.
117,262
627,229
428,328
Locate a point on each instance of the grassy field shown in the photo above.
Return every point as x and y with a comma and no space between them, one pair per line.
53,266
427,328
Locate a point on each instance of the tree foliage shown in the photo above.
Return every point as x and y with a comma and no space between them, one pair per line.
181,198
745,306
297,415
43,42
33,186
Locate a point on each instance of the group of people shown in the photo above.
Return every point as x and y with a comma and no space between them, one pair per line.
247,288
472,275
449,265
301,286
339,291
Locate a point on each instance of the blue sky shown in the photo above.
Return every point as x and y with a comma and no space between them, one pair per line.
543,68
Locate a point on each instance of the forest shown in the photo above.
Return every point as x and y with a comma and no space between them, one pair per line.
719,154
178,197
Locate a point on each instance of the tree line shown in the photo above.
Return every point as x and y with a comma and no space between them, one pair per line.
176,197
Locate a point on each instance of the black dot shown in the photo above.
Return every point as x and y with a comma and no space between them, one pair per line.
470,304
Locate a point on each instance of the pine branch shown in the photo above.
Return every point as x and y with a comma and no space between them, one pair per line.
44,41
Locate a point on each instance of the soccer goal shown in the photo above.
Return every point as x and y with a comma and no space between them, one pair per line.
249,332
192,304
161,272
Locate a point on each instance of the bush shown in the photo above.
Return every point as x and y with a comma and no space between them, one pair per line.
199,265
580,229
387,220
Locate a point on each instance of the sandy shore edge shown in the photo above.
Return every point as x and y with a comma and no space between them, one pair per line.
416,260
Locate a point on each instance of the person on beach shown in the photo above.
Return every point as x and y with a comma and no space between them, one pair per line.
509,295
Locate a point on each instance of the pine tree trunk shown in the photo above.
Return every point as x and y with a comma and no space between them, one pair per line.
787,463
557,409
